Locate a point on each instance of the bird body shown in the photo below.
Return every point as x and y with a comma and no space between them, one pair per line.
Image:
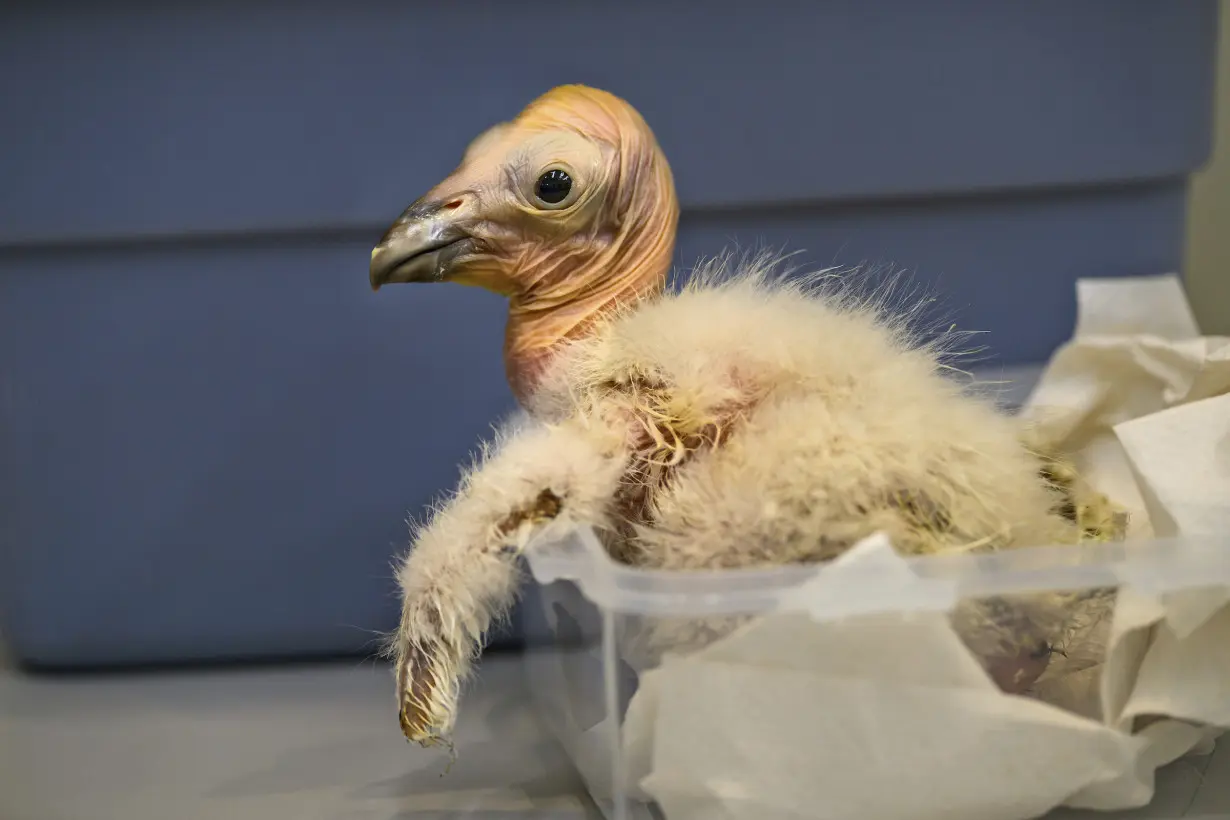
770,419
744,418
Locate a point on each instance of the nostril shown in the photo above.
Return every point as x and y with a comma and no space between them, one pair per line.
453,205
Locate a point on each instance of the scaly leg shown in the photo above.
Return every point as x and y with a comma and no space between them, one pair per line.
461,572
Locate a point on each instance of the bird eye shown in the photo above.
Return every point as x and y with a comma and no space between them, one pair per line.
553,187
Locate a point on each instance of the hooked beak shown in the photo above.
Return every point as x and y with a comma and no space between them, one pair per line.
421,246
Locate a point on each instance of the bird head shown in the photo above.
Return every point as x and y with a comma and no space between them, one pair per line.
568,210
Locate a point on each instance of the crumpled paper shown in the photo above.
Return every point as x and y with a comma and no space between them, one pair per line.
882,715
1138,378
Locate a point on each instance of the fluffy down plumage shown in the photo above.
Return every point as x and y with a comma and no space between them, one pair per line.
747,418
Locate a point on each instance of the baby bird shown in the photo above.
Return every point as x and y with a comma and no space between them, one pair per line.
744,418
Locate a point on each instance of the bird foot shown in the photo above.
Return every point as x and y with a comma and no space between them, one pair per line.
428,678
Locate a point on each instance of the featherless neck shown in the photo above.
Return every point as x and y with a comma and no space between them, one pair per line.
533,335
567,293
539,322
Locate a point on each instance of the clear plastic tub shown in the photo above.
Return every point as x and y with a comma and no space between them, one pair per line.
740,657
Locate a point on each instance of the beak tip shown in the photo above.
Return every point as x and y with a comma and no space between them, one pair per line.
377,273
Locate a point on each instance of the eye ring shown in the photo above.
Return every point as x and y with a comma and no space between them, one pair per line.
553,189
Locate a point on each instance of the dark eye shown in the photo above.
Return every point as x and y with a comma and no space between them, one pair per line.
553,186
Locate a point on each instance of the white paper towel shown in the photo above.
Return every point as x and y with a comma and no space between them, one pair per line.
1136,353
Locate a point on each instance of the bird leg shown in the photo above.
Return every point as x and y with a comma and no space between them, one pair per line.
461,574
1097,517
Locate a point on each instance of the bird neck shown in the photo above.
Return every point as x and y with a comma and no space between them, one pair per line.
540,324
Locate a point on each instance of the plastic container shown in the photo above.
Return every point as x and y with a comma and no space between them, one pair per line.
614,625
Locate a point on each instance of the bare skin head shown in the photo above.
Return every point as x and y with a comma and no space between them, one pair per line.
567,210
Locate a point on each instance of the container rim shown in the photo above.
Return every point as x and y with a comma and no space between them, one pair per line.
1154,566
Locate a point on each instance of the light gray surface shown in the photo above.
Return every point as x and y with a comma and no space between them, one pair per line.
317,743
309,743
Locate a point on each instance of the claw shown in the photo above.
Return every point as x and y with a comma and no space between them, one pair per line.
427,680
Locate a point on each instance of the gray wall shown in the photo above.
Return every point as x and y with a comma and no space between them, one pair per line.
1207,262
